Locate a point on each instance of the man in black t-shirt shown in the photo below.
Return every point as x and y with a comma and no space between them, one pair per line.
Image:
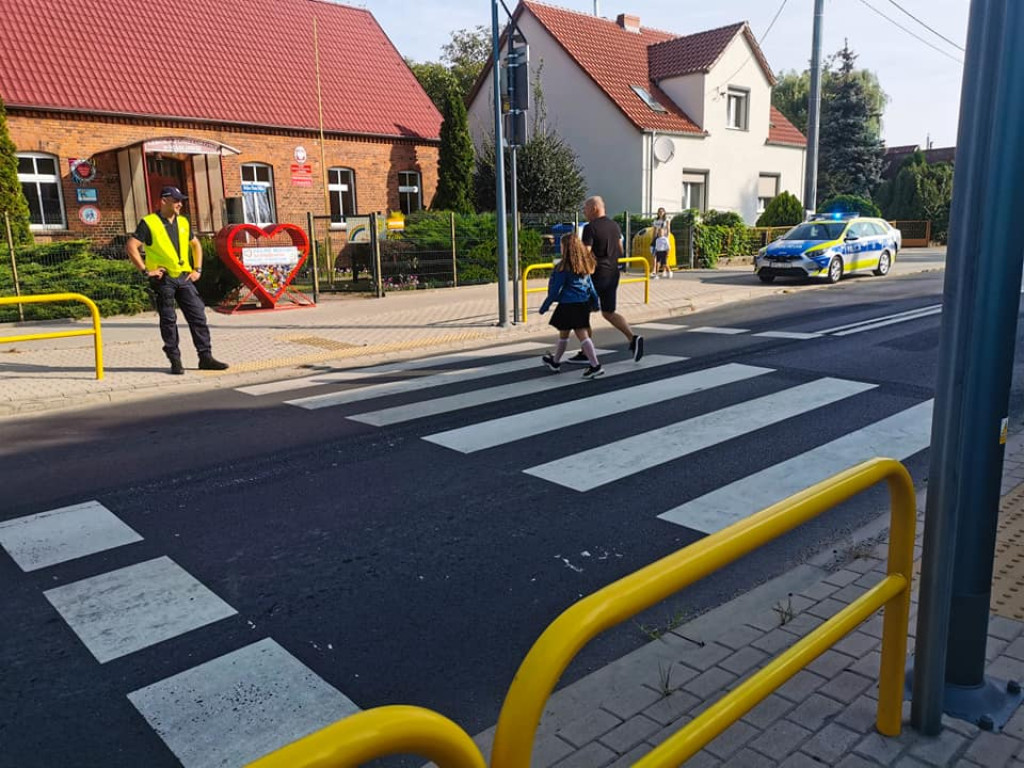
604,239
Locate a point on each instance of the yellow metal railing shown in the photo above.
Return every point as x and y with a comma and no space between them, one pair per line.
562,640
377,733
646,279
96,331
397,729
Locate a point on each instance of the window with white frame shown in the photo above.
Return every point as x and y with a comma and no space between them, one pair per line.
258,194
341,188
767,188
738,106
409,197
695,190
40,183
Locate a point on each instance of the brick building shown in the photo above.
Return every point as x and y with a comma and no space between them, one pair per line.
220,99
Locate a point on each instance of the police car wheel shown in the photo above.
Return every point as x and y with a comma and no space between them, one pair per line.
765,277
884,263
835,269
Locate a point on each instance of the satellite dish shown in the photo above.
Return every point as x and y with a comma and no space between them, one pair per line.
664,149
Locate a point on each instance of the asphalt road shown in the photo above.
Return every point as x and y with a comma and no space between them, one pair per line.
400,569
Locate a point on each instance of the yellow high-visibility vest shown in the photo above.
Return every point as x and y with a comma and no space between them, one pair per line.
160,254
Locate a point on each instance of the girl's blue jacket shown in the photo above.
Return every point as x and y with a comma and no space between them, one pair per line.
569,288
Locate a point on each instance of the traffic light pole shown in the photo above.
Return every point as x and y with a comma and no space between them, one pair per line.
981,300
499,174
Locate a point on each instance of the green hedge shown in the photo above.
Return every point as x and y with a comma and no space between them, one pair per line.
72,267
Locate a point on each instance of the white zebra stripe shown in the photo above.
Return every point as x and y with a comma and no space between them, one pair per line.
899,436
599,466
488,434
567,378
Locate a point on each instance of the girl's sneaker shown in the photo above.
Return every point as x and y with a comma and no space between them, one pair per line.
593,371
549,361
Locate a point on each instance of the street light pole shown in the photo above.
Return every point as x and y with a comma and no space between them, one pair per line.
499,173
813,112
980,304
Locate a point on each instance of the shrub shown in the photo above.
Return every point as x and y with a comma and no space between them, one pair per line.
217,280
849,204
784,210
715,218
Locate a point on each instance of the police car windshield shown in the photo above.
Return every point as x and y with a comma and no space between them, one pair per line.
816,230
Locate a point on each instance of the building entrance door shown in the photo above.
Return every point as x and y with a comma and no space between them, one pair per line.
163,172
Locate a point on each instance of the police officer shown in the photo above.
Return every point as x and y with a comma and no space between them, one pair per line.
172,271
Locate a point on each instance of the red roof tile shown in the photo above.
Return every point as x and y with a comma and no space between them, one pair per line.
615,59
225,62
781,131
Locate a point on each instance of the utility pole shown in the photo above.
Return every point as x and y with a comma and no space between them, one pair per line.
499,173
813,112
980,304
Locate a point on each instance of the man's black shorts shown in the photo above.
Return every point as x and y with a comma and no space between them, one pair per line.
607,287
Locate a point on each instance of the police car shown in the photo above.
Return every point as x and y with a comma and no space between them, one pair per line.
830,246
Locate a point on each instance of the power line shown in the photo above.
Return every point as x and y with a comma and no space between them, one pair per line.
933,31
912,34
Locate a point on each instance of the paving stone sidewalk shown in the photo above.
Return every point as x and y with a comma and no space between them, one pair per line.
339,332
823,716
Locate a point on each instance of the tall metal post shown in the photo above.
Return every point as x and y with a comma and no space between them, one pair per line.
813,112
981,297
514,204
499,174
314,247
14,264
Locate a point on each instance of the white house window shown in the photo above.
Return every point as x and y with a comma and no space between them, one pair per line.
767,188
409,197
738,103
694,190
649,100
341,186
258,194
40,183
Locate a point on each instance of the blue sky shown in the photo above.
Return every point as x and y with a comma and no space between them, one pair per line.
923,85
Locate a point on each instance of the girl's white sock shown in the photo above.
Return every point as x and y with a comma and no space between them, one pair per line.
560,346
588,349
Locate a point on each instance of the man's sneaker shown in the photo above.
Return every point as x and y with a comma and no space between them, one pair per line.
210,363
578,359
593,371
636,346
176,367
549,361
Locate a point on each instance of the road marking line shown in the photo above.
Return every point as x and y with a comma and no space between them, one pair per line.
327,377
721,331
909,314
899,436
47,538
418,410
604,464
238,707
454,376
884,323
132,608
660,326
788,335
489,434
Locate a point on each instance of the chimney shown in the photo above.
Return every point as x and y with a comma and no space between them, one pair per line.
628,22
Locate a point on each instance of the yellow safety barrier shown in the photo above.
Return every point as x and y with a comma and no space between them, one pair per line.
96,331
411,730
575,627
377,733
646,279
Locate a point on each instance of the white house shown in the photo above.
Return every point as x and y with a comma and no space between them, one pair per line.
658,120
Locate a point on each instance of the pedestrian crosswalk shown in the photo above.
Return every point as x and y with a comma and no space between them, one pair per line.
642,417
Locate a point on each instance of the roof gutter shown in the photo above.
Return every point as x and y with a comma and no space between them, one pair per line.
204,121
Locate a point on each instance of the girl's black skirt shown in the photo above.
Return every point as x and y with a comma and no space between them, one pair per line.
569,317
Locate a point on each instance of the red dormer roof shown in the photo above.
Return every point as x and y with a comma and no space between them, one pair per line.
700,52
781,131
213,61
615,59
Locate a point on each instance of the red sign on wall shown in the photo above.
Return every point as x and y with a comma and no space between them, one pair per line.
302,175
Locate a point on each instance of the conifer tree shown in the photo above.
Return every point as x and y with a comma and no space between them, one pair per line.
455,158
12,200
